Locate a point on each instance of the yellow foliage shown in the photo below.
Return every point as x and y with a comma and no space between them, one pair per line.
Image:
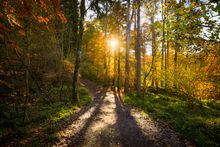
193,4
68,66
205,90
12,20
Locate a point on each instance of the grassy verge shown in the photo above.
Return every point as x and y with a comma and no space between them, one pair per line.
199,124
42,123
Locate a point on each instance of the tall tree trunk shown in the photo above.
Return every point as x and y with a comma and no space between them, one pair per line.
127,64
115,71
61,60
167,63
78,50
27,84
119,69
105,49
163,46
175,65
176,50
135,44
154,53
75,30
138,81
167,52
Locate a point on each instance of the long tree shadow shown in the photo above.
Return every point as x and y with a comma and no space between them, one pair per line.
79,137
130,134
42,138
83,110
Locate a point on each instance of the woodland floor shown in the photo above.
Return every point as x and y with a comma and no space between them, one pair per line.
108,122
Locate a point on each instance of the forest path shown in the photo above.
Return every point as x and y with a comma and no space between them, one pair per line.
107,122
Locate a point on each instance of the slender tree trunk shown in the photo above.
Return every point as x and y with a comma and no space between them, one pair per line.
61,60
108,65
163,46
115,71
119,69
154,53
167,63
78,52
165,68
176,51
167,53
75,30
127,64
138,82
135,45
27,95
175,66
105,50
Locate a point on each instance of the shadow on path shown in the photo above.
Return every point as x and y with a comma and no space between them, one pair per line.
108,122
130,134
96,92
79,137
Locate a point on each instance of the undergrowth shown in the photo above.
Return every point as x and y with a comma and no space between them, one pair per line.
42,119
198,124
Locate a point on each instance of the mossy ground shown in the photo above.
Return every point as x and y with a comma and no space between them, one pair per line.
199,124
42,119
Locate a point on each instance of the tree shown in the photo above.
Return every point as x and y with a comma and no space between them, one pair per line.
163,59
138,82
128,27
78,35
105,50
154,54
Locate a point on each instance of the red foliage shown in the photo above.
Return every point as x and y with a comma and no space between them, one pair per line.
56,3
61,16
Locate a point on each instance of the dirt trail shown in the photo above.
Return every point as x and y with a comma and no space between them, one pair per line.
107,122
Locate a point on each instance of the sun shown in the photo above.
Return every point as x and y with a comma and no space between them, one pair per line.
113,43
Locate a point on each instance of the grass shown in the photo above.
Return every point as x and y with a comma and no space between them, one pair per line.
198,124
41,125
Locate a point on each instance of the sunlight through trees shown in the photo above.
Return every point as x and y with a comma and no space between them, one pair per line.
134,46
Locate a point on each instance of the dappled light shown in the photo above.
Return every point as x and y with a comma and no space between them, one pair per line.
106,73
109,122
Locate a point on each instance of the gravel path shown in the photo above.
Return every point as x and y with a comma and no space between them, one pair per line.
108,123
